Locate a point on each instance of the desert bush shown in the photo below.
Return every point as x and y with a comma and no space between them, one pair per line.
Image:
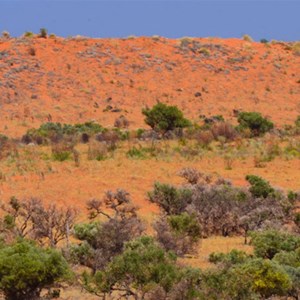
254,121
5,34
265,277
28,34
264,41
136,153
297,122
191,175
172,200
224,129
204,137
296,48
143,270
247,38
8,147
26,269
288,258
162,117
29,218
55,132
259,186
43,33
62,152
121,122
110,137
101,241
178,233
223,209
97,150
268,243
228,259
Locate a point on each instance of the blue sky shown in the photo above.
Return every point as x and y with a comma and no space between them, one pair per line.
270,19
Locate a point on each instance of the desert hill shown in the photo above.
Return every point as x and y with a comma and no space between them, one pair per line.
80,79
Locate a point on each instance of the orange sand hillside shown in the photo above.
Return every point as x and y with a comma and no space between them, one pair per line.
75,79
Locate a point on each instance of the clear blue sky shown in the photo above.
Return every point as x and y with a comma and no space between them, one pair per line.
270,19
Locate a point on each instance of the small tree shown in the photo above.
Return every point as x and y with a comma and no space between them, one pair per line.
143,267
102,241
43,33
259,187
254,121
26,269
162,117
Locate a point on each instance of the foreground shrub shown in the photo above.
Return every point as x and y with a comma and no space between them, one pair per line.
144,271
26,269
162,117
254,121
268,243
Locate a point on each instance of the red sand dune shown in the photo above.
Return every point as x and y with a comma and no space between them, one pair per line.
74,80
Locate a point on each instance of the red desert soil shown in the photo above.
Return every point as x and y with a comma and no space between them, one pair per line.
75,79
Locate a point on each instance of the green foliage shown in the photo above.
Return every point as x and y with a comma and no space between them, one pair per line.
28,34
162,117
265,277
259,187
231,258
172,200
297,122
254,121
185,225
286,258
270,242
139,132
264,41
141,267
136,153
87,231
25,269
43,33
61,156
51,130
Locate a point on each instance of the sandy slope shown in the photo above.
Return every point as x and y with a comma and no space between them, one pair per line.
74,80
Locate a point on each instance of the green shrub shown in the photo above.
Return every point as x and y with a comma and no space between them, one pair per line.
297,122
266,278
254,121
247,38
142,267
286,258
264,41
172,200
268,243
162,117
43,33
185,224
25,269
28,34
259,187
62,156
231,258
135,153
